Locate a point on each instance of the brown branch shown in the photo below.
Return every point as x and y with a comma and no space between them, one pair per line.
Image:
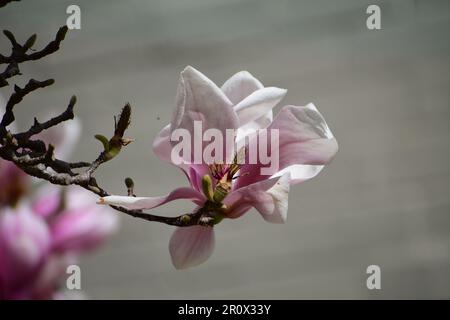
18,96
38,160
5,2
19,53
37,127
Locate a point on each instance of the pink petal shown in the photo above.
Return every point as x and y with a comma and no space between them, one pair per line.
47,200
138,203
162,146
191,246
199,99
304,139
52,274
269,197
24,244
83,229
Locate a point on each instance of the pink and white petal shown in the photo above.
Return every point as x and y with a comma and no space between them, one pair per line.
251,127
304,139
198,98
305,159
268,197
162,146
191,246
138,203
240,85
258,104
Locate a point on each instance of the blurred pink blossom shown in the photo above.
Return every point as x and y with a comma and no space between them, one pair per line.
39,240
45,228
25,244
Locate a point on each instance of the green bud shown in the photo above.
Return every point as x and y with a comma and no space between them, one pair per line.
185,218
129,182
104,141
30,42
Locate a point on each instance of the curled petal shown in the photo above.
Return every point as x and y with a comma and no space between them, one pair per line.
240,85
258,104
198,98
142,203
304,139
268,197
191,246
237,88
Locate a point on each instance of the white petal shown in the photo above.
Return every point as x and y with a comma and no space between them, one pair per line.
280,195
258,104
240,85
198,98
138,203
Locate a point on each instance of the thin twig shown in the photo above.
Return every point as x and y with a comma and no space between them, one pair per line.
38,160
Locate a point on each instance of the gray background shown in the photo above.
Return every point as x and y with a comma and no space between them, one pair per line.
385,94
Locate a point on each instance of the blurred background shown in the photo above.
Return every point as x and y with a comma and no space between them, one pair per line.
385,94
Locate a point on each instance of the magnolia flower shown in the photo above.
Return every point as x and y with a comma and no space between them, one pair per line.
306,144
76,224
24,245
39,241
